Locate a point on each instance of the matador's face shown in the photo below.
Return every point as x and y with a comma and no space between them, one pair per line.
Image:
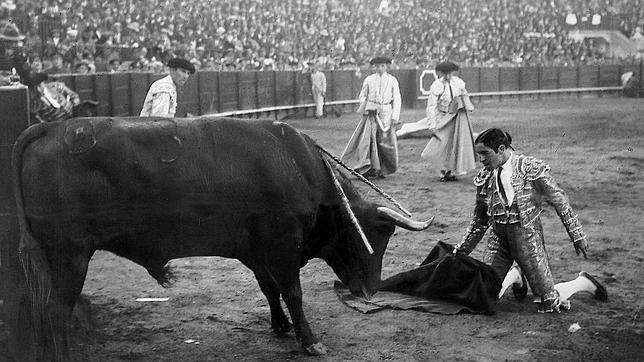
489,158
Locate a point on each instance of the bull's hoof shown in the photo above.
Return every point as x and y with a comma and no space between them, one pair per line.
316,349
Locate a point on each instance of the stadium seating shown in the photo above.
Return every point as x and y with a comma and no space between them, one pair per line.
268,34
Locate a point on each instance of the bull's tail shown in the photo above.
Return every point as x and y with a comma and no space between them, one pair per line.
34,262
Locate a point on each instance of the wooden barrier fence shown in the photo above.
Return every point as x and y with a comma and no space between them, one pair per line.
122,94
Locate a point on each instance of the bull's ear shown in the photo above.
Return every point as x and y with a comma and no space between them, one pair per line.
403,221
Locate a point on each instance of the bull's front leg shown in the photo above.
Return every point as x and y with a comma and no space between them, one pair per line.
279,321
292,295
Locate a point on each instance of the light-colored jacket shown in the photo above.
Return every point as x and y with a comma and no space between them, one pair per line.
318,83
161,100
378,91
440,97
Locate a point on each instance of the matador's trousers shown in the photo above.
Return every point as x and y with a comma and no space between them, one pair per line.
511,242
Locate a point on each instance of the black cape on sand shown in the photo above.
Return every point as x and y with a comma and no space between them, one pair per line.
443,283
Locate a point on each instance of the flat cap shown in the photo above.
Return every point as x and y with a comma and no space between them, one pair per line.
446,67
380,60
181,63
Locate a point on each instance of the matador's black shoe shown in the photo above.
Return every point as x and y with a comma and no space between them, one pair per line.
600,293
520,291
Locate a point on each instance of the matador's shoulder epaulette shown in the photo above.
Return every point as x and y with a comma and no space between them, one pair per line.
531,168
481,178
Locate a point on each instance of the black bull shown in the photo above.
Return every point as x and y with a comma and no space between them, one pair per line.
152,190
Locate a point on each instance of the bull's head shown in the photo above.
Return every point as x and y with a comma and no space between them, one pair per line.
348,256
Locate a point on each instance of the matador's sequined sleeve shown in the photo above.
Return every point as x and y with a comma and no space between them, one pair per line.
480,218
555,196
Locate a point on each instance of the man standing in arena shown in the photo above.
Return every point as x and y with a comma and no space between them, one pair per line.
318,89
161,100
509,192
373,149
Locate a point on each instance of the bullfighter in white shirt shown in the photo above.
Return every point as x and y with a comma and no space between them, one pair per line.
373,149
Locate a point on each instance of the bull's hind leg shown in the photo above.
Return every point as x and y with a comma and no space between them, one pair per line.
69,268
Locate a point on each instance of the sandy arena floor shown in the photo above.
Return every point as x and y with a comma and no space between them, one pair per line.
596,150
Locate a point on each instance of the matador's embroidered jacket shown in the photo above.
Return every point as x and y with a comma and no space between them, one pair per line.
532,184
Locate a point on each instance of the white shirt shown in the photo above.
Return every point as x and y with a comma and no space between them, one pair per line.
379,90
506,179
440,96
318,82
161,100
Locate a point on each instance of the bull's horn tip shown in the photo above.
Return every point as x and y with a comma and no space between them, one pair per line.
429,221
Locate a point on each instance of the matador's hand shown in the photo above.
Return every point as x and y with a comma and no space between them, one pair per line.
581,246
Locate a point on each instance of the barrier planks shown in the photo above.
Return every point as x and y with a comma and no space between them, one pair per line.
471,78
208,83
609,75
188,97
489,78
285,88
102,91
228,93
247,90
509,79
568,77
588,76
85,86
139,86
122,94
548,78
342,85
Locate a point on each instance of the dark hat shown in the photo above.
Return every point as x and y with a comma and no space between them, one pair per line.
181,63
380,60
446,67
9,31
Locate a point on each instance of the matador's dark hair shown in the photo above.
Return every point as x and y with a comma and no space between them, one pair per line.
493,138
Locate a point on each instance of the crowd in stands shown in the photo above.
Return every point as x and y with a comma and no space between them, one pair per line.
93,35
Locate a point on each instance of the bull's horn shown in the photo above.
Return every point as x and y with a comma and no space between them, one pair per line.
403,221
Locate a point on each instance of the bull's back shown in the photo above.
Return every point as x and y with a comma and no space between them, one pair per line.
140,172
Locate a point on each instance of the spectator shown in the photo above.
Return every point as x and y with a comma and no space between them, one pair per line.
114,65
495,32
57,65
81,68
